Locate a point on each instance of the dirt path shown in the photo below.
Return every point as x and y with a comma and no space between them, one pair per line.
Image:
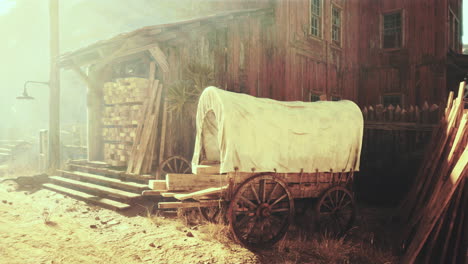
79,233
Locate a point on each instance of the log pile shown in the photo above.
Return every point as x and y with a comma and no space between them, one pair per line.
123,106
143,150
435,208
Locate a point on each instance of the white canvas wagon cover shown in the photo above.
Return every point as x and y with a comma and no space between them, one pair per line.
245,132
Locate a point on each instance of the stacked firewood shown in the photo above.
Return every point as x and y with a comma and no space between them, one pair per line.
116,154
434,210
119,134
125,90
123,100
121,115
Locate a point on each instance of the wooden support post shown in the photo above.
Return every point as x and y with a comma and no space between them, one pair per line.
54,93
96,78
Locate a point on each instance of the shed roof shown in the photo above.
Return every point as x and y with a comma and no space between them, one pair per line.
149,37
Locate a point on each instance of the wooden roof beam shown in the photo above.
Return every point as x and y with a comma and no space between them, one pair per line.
81,74
160,58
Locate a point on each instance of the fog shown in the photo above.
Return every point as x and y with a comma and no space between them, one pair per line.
24,52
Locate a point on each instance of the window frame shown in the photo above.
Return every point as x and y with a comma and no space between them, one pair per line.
454,44
314,94
401,95
402,29
321,20
336,98
340,9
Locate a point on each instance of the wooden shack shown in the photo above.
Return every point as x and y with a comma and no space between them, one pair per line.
235,46
367,51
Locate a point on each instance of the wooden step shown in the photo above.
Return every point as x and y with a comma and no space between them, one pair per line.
94,188
106,181
111,173
106,203
5,150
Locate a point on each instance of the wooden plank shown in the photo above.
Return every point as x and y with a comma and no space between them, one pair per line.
94,188
434,210
153,192
149,131
201,193
190,182
163,135
208,169
141,123
399,126
111,182
159,57
154,136
157,184
168,205
111,204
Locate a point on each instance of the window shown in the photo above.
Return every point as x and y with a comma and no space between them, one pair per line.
336,25
316,18
335,98
391,99
314,97
454,32
392,31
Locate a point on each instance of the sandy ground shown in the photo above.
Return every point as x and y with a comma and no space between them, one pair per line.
40,226
46,227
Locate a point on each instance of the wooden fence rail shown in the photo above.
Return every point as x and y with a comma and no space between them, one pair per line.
393,145
413,114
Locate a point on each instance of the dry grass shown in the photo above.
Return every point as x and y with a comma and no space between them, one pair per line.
368,243
217,232
326,249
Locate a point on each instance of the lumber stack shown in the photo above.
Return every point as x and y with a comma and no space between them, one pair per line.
116,154
435,208
122,110
125,90
143,149
121,114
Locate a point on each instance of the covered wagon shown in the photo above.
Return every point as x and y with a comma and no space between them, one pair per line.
257,156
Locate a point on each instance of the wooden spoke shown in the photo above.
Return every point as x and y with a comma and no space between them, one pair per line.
255,222
280,210
248,202
263,189
279,199
336,210
272,191
175,164
245,220
255,193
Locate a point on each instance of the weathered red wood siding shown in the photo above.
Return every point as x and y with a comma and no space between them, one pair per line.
316,65
418,69
242,55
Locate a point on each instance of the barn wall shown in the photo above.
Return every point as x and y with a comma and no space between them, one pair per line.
241,54
418,70
316,65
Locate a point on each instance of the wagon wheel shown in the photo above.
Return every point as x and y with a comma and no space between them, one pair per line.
260,211
335,211
174,164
